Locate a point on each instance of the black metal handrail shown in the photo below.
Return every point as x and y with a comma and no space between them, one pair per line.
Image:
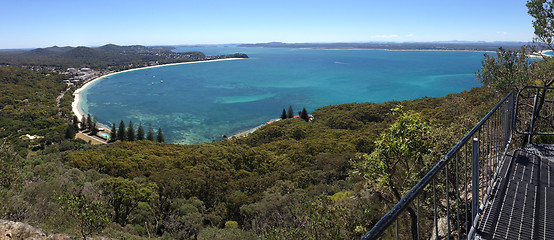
542,98
490,140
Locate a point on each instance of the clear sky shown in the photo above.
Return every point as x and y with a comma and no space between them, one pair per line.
39,23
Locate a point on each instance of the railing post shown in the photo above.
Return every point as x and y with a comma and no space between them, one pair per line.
507,122
533,117
491,120
475,177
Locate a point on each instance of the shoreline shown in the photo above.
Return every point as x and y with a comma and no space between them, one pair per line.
76,109
246,133
384,49
405,50
540,54
251,130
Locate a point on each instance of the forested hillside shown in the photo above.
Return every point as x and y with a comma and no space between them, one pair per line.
28,106
288,180
110,56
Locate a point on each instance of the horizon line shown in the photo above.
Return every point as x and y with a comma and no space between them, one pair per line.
275,42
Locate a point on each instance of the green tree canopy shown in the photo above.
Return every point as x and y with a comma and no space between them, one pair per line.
140,132
124,195
75,123
399,153
290,113
89,122
150,134
84,122
121,133
94,127
284,114
113,134
543,23
131,132
160,137
397,163
70,132
304,115
91,215
509,70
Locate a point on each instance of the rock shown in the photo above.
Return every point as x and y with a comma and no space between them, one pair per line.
442,229
18,230
10,230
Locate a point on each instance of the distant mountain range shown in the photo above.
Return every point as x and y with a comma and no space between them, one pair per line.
107,56
450,45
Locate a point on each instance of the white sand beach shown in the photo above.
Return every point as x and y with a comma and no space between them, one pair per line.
245,133
80,113
540,54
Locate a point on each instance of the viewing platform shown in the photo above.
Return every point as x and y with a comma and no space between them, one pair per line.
522,204
495,183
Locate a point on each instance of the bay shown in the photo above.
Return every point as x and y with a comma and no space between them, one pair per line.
201,102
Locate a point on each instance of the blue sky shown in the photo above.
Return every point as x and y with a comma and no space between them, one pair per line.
38,23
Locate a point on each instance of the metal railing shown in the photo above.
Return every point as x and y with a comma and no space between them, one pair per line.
534,111
449,200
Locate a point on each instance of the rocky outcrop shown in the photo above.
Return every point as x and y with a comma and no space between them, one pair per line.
10,230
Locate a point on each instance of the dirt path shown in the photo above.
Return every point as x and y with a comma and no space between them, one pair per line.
59,99
94,140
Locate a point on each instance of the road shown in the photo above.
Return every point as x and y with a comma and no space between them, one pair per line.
58,100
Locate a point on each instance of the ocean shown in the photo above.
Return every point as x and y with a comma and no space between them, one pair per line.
201,102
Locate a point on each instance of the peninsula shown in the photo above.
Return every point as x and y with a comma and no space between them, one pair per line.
396,46
106,58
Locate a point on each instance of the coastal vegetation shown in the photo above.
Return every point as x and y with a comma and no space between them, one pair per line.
329,178
290,179
290,114
28,107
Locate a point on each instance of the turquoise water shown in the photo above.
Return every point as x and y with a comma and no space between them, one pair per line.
201,102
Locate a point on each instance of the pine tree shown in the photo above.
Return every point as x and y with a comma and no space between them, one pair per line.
150,134
70,132
304,115
93,127
290,113
284,114
131,132
89,122
84,123
121,133
113,136
160,137
140,133
75,123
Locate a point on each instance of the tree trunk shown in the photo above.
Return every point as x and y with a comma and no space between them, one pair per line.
410,210
541,97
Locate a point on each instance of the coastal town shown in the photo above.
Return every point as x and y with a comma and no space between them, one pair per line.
81,75
78,67
84,77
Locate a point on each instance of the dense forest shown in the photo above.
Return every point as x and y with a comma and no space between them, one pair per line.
325,178
293,179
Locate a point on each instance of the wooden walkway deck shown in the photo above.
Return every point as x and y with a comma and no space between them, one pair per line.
522,204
